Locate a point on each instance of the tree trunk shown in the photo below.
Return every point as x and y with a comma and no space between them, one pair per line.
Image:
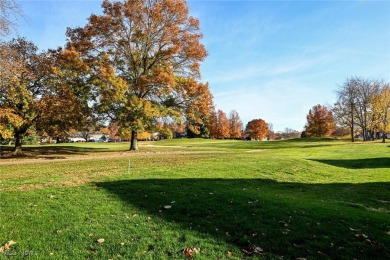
18,143
384,137
365,137
134,141
352,125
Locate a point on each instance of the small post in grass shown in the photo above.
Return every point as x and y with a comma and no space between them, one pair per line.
128,168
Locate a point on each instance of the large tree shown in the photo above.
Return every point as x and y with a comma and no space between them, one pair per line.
47,91
344,109
138,49
257,129
195,102
367,89
22,73
320,122
66,103
360,105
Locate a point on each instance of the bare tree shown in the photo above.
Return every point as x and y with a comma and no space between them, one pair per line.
366,90
10,12
345,106
356,106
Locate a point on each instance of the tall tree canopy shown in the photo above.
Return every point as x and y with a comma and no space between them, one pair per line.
22,72
139,50
320,122
68,94
257,129
44,90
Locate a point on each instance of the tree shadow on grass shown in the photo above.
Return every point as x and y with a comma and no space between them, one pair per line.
285,219
49,151
370,163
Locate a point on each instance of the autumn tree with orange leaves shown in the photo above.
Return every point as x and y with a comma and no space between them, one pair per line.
219,125
223,125
66,105
139,50
196,103
47,91
257,129
22,72
320,122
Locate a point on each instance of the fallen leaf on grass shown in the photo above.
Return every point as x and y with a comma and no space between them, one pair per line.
283,223
167,206
252,250
100,240
229,253
92,250
369,241
7,246
353,229
190,252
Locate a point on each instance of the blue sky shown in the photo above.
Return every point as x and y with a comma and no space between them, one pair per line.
267,59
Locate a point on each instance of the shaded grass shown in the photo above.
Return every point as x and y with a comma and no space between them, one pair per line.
65,150
292,201
286,219
383,162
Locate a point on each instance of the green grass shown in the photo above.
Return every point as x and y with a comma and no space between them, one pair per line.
314,199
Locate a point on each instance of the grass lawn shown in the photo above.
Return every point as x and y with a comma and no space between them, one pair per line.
313,199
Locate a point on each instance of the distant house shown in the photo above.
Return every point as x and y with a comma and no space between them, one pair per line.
76,140
98,137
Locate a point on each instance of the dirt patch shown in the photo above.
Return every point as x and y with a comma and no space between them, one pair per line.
256,151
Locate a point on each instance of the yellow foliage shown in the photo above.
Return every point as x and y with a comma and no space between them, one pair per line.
144,136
